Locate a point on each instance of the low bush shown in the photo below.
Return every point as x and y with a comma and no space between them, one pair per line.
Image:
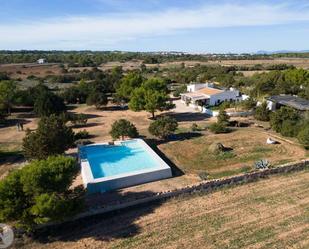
123,128
262,112
195,127
163,127
219,128
78,119
303,137
84,134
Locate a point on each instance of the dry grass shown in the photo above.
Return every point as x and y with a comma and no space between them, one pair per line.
248,145
297,62
271,213
26,69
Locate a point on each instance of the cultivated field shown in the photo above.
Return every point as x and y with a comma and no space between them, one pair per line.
271,213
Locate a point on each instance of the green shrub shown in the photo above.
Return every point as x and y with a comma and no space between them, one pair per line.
289,128
303,137
223,118
78,119
284,113
97,99
262,113
179,90
163,127
123,128
247,104
195,127
219,128
84,134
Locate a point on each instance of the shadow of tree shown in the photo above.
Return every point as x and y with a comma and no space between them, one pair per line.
187,116
12,122
11,157
115,108
115,224
88,125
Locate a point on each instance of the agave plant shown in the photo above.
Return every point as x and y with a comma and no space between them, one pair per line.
261,164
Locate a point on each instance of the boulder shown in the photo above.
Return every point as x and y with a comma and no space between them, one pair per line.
216,148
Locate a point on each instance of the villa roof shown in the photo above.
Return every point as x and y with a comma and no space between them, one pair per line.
195,95
203,93
292,101
209,91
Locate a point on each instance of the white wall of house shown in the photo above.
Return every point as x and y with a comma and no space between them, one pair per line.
198,86
271,105
224,96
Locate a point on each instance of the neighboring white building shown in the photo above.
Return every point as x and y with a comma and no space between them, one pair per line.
207,94
41,61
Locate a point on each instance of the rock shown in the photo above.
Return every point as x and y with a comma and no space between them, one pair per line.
216,148
270,141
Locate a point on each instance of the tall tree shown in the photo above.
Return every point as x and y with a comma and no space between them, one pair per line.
127,85
48,103
39,192
151,96
8,90
51,138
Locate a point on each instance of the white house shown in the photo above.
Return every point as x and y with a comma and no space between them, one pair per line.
41,61
207,94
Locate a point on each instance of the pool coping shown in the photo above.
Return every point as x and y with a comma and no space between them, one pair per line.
88,178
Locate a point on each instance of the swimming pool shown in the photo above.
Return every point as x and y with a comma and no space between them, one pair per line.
126,163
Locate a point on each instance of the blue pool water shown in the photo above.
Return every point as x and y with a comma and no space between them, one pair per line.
111,160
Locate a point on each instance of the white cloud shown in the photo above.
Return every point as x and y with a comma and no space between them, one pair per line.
99,32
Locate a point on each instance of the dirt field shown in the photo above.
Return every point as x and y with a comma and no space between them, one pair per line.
271,213
22,71
297,62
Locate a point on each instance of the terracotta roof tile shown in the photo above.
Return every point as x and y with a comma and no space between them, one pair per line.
209,91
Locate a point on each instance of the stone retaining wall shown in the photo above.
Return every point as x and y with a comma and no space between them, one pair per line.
204,186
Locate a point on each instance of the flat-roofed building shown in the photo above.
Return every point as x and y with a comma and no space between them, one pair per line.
295,102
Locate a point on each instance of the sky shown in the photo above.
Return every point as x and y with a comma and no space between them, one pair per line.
196,26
